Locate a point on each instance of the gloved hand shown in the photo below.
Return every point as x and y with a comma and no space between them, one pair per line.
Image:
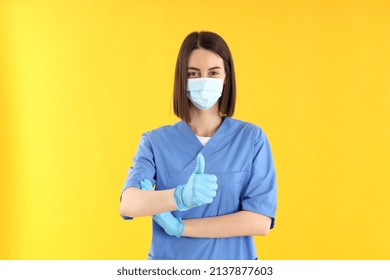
171,224
200,189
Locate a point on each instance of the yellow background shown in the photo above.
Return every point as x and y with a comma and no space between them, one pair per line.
81,80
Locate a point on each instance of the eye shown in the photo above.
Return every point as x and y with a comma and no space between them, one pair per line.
214,73
192,74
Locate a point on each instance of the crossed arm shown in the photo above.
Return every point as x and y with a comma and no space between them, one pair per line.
137,203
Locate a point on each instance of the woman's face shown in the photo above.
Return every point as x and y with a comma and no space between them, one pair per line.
205,64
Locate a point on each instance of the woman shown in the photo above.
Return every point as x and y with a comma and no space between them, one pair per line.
214,177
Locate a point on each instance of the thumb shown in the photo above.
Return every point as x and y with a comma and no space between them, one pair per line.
200,163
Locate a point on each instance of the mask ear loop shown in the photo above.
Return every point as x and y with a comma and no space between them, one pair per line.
220,100
222,95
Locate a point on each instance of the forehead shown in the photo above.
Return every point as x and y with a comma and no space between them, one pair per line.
204,59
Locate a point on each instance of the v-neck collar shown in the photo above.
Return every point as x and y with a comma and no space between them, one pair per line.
214,140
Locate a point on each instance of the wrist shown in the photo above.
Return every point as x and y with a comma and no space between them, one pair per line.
171,199
186,228
178,198
180,229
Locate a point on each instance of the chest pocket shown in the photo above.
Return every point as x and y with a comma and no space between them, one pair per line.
231,191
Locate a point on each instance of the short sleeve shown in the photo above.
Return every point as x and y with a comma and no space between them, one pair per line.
260,194
143,167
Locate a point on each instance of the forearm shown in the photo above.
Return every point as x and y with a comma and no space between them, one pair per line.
137,203
242,223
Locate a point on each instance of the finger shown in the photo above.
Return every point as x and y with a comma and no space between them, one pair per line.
146,185
200,164
209,190
202,198
207,178
206,184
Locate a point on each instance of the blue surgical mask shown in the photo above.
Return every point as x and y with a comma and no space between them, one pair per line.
204,92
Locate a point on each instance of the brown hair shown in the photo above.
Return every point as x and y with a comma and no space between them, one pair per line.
214,43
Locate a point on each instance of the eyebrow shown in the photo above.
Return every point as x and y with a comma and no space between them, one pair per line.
212,68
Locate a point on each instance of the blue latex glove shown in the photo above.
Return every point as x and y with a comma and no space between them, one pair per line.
171,224
200,189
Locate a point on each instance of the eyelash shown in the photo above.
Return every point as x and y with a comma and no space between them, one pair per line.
194,74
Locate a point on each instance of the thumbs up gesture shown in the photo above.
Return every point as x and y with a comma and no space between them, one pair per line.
200,189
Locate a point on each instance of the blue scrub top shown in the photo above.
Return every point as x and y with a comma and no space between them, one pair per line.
238,154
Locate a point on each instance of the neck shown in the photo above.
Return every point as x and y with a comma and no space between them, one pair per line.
205,123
